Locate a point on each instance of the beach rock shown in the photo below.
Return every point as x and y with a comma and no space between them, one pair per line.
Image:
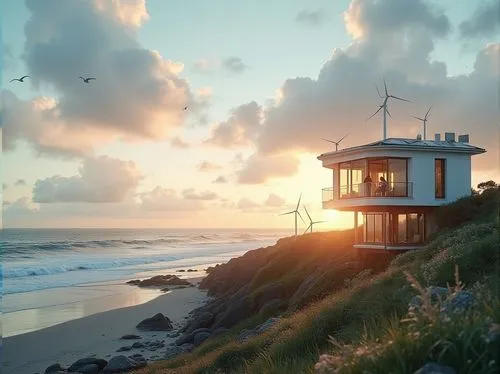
138,345
162,280
119,364
433,368
130,337
166,289
54,368
181,271
89,369
185,338
156,323
134,282
205,319
75,367
124,349
191,270
200,337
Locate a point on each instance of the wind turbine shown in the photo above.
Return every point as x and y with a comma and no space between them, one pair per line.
337,142
384,106
310,220
296,211
424,120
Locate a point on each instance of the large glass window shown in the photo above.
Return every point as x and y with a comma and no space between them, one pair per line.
373,226
439,177
410,228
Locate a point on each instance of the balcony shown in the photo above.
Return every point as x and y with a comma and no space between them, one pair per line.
371,191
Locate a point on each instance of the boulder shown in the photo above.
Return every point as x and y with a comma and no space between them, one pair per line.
54,368
185,338
163,280
200,338
433,368
156,323
75,367
205,319
119,364
89,369
134,282
138,345
237,310
124,349
219,331
130,337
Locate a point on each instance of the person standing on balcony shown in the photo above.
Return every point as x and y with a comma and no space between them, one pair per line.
368,185
382,186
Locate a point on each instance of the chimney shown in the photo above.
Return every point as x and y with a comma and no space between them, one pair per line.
437,137
419,137
463,138
449,137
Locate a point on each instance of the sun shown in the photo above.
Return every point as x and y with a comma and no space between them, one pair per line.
331,215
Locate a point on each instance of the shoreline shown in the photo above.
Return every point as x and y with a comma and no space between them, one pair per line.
98,335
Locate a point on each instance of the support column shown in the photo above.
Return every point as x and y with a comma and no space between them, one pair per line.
355,227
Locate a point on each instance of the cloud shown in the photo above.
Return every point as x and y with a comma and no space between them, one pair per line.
234,65
260,168
162,199
191,194
5,186
177,142
484,22
20,207
311,18
240,129
245,203
205,65
20,182
220,179
274,201
99,180
394,40
137,95
208,166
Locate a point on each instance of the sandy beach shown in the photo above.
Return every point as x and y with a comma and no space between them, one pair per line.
97,335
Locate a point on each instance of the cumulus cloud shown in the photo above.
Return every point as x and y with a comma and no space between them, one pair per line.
484,22
19,207
208,166
191,194
393,40
177,142
99,180
245,203
234,65
205,65
274,200
137,94
20,182
311,18
163,199
259,168
240,129
220,179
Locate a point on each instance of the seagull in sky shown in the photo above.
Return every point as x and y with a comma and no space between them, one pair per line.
86,80
20,79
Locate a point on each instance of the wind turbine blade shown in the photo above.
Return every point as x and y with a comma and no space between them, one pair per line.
342,138
307,213
379,95
385,86
282,214
387,110
308,227
428,111
399,98
298,203
328,140
320,222
378,110
300,216
420,119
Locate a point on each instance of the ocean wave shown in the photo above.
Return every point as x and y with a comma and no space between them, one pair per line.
97,264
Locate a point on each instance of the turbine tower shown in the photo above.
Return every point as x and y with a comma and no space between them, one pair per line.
424,120
312,222
337,142
384,106
296,211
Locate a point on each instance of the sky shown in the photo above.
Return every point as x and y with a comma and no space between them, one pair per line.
263,82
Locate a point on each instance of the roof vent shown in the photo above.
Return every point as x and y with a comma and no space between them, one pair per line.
463,138
419,137
437,137
449,137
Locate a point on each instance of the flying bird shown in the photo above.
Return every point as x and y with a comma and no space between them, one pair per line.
185,108
86,80
20,79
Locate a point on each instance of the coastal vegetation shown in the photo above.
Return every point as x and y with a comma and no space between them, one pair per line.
437,307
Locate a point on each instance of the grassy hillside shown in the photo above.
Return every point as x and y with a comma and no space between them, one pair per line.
360,322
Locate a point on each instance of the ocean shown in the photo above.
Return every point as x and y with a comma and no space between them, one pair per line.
47,270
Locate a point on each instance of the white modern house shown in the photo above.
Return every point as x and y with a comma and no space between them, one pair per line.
396,213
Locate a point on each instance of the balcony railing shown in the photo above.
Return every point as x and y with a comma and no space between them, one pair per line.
364,190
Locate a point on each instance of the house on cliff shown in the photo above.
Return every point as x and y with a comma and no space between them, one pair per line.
393,186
